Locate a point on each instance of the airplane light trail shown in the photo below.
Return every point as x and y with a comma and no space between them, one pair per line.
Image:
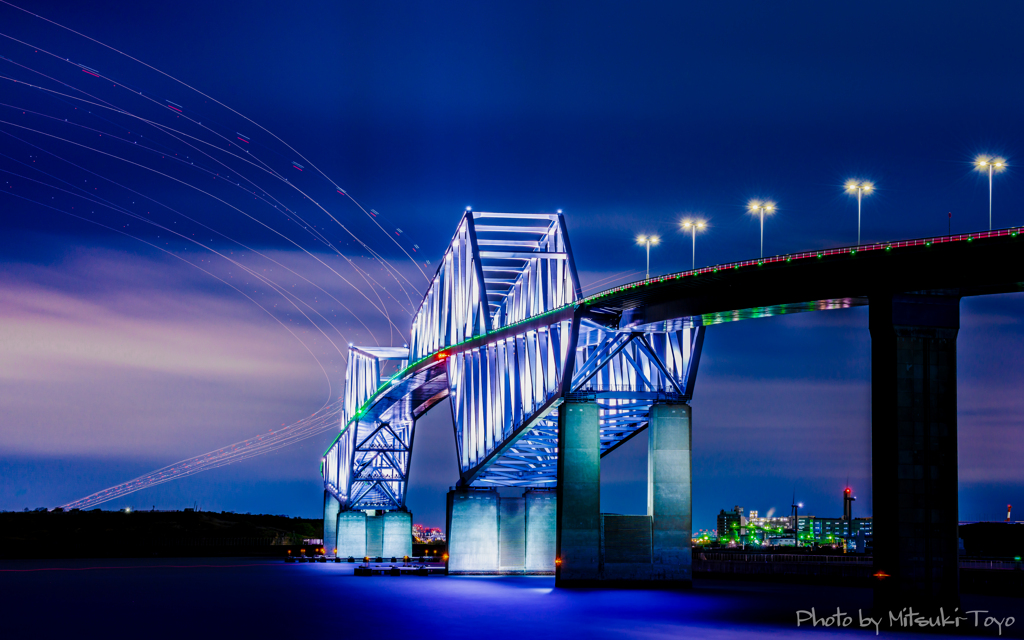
321,421
110,155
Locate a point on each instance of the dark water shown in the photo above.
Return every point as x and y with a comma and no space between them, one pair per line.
238,598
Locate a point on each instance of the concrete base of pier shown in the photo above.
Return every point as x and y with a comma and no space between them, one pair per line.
351,534
397,538
596,549
563,531
387,535
491,535
331,509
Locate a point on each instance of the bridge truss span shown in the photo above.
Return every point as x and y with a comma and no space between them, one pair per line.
501,334
504,334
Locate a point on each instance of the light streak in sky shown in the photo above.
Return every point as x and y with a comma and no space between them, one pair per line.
210,98
190,142
177,175
323,420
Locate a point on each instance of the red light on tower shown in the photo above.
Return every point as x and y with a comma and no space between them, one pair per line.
1009,507
848,504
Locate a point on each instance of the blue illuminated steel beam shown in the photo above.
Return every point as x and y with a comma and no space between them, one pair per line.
503,273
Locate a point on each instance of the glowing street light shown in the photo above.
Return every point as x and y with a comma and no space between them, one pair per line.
991,165
693,226
648,241
762,207
860,187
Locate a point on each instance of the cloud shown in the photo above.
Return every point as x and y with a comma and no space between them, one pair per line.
118,355
48,335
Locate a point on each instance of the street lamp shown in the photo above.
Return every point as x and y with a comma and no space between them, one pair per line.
693,226
643,240
762,207
991,165
860,187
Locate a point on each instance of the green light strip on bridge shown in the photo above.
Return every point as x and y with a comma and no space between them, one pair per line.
850,251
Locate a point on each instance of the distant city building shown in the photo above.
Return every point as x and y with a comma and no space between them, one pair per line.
776,522
427,535
731,523
804,524
854,533
839,528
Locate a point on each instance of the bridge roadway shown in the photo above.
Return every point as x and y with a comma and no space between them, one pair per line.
626,356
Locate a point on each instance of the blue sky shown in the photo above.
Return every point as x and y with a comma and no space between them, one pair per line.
119,357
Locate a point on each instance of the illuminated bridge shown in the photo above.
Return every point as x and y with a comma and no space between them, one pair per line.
542,382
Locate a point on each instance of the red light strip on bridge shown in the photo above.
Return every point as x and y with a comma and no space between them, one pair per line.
877,246
852,250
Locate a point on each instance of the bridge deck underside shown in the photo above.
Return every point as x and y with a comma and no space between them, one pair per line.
531,460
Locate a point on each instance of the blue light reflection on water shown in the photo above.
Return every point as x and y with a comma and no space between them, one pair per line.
195,598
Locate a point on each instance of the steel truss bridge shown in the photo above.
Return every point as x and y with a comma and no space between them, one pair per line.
505,335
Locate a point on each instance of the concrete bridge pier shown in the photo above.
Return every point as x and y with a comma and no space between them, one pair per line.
669,493
352,534
359,535
396,538
578,533
490,534
914,451
472,531
595,549
331,509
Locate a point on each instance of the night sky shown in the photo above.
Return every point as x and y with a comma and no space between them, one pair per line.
126,346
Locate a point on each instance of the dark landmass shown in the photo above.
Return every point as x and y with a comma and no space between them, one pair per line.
993,539
141,534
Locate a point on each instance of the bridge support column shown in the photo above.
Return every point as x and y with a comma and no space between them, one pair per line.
331,509
669,484
511,535
472,531
375,536
397,534
352,534
489,534
578,532
914,451
541,512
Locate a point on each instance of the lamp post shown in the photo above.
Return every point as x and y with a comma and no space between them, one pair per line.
991,165
692,226
860,187
647,241
761,207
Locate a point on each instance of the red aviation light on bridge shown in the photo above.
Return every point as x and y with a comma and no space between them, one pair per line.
442,356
